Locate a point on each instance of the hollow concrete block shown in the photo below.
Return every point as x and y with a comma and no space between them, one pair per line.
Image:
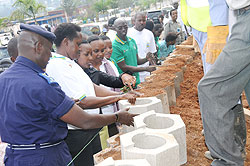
165,103
167,124
113,141
136,162
107,162
159,149
177,82
141,105
170,90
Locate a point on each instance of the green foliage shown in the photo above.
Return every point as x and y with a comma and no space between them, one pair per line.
69,6
26,8
112,4
4,22
126,3
101,6
145,4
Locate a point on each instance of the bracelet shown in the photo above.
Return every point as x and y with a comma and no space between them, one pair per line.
116,117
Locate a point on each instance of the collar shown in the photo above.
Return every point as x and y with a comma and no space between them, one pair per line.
172,22
122,41
104,60
28,63
59,56
90,70
56,55
139,31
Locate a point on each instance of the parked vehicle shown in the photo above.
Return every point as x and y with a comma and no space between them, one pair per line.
91,28
5,61
154,15
4,39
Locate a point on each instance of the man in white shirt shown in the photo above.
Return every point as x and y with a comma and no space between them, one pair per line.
77,85
220,89
144,40
111,32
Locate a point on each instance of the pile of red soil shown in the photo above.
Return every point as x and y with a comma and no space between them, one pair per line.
187,104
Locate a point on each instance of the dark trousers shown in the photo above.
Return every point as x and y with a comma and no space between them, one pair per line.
112,129
77,139
52,156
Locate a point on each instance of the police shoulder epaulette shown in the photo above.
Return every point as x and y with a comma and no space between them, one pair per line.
49,79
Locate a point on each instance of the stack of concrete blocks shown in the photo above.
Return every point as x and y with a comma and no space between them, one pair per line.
164,101
159,149
170,90
166,124
137,162
142,105
177,82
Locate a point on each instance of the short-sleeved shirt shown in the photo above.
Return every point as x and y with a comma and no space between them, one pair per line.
165,50
145,42
71,77
218,11
125,51
113,62
31,105
174,27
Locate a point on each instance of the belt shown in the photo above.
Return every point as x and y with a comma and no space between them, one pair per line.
242,10
32,146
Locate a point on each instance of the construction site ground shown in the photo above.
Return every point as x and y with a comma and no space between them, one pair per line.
187,106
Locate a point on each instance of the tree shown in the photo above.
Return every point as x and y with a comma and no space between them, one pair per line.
69,6
101,6
3,22
113,4
145,4
27,8
126,3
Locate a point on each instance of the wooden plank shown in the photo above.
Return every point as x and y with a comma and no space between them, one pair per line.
247,113
184,46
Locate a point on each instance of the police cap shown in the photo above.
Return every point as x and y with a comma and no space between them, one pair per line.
39,30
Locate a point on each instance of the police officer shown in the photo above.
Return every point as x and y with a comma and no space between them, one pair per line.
35,111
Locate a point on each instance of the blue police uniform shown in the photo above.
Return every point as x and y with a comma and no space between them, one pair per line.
31,107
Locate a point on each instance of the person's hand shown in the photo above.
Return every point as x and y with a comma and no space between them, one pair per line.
151,58
124,117
150,68
137,94
128,80
131,98
77,101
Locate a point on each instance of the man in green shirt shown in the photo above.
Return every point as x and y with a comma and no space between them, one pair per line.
125,52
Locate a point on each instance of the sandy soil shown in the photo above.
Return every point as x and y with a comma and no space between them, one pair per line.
187,104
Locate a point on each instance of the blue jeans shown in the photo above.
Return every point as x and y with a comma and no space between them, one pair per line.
201,38
219,92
